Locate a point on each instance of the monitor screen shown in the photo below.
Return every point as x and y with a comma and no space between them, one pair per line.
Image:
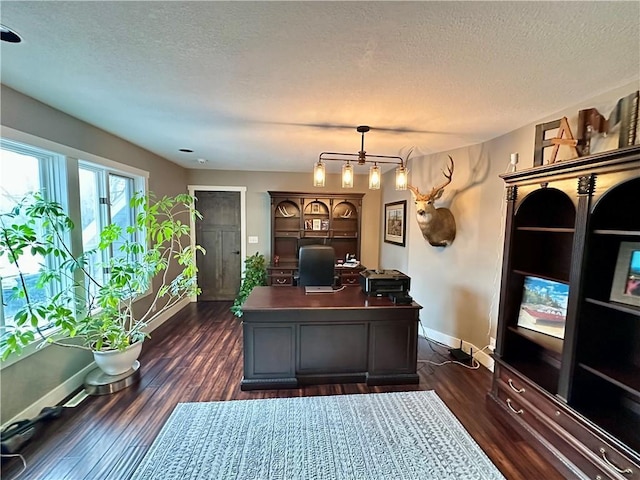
544,306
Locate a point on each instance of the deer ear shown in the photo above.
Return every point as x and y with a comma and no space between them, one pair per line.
414,191
438,194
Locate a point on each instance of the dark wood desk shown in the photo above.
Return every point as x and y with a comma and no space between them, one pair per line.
292,338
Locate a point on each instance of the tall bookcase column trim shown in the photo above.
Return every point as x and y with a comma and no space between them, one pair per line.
585,191
511,197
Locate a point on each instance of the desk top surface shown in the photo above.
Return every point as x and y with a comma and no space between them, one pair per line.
295,298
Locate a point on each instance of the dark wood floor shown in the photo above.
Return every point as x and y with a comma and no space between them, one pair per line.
197,357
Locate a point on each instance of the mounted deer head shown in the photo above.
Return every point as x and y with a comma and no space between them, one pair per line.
437,224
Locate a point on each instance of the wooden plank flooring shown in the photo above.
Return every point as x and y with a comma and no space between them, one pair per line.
197,357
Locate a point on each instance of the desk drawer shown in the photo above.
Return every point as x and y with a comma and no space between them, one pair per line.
280,276
281,272
281,281
350,280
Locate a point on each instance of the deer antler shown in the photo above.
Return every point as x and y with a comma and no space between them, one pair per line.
448,177
415,191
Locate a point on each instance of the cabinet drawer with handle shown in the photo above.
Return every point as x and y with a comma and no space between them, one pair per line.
568,460
350,280
519,387
598,456
281,281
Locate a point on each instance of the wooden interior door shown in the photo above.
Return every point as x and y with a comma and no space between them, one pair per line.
218,232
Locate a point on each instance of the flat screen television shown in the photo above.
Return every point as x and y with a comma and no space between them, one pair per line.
544,306
625,287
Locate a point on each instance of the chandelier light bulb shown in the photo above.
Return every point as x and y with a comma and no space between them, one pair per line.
374,177
401,178
347,175
318,175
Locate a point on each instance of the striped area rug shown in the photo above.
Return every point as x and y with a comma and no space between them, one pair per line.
402,435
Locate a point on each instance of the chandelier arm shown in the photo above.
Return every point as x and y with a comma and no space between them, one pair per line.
398,160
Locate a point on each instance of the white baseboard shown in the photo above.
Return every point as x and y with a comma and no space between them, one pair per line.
55,396
453,342
72,384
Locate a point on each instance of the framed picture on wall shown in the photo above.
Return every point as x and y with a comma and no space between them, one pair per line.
395,220
625,287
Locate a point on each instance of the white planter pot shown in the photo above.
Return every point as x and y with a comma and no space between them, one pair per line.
115,362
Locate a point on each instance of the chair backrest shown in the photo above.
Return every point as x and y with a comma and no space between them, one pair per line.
316,264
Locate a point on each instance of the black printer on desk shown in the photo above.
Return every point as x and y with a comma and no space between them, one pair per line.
380,283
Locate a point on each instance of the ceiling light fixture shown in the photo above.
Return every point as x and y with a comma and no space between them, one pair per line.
8,35
362,158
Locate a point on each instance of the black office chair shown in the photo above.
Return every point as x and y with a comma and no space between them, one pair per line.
316,266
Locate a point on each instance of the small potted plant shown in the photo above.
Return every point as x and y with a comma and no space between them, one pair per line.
255,274
99,313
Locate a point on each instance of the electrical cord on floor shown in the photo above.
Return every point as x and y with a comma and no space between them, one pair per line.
475,365
12,455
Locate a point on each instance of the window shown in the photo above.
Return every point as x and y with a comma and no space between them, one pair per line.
104,200
100,191
23,170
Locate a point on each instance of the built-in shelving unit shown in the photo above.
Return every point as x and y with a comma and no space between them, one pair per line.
300,218
566,223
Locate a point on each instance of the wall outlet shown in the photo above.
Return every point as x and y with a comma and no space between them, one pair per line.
253,239
492,343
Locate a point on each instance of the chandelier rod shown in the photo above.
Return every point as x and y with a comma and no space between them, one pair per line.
399,160
362,155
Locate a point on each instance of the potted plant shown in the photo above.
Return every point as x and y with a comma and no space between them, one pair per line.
255,274
100,313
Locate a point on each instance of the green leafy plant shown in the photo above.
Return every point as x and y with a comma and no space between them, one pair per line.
100,313
255,274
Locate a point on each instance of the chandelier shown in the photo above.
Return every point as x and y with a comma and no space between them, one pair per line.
360,158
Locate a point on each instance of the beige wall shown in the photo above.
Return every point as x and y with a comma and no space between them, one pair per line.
258,185
458,286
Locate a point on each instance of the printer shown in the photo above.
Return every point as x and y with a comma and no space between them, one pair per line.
380,283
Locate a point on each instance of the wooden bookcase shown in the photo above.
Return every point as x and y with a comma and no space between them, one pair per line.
299,218
578,396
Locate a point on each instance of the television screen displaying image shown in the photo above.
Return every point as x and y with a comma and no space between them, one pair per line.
625,287
544,306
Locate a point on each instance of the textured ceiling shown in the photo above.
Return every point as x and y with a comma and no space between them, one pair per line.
269,85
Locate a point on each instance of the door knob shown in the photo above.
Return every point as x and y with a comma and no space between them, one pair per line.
237,252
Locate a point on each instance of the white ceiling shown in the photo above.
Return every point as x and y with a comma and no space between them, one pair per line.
269,85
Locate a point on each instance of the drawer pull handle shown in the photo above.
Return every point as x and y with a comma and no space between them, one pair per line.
517,412
626,471
281,280
514,388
